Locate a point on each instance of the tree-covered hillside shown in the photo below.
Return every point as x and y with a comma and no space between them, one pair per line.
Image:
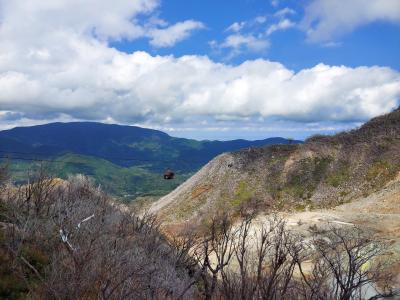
127,161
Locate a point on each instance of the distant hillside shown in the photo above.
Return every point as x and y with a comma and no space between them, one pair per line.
126,160
323,172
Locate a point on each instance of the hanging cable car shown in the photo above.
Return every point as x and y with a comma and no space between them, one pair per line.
169,174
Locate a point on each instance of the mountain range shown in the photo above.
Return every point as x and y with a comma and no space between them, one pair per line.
127,161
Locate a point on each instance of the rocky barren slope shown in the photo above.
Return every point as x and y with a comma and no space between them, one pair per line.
324,172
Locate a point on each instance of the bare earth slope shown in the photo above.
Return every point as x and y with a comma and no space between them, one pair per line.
325,172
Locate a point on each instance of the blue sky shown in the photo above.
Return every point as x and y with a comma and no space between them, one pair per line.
201,69
375,43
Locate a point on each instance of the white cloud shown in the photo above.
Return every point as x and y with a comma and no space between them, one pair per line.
155,21
281,25
101,20
105,19
284,12
244,37
326,20
260,19
67,73
244,42
169,36
238,43
331,44
275,3
139,87
236,26
240,26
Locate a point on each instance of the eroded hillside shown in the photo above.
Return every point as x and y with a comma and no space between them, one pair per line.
324,172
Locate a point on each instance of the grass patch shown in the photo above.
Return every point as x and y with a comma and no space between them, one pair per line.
242,194
380,169
189,207
300,207
340,176
306,177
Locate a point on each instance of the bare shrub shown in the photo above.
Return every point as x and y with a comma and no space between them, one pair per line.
214,251
233,268
265,272
259,261
347,264
4,174
91,248
69,240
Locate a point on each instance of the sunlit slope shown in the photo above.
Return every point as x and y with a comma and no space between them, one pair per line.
323,172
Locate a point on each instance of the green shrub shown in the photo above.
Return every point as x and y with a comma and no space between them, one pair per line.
340,176
242,194
380,169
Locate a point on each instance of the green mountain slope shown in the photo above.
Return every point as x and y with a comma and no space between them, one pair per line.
125,182
127,161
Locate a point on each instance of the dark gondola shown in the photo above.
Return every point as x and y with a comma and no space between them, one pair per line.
169,174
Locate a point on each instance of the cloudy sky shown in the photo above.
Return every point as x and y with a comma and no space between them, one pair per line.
202,69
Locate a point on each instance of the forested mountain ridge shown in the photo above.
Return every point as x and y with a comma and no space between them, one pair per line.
127,160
